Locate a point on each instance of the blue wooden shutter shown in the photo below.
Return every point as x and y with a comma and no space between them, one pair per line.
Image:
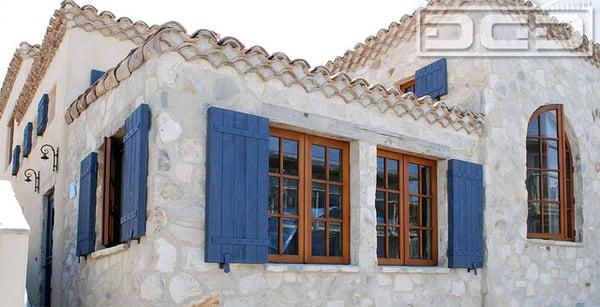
86,221
237,188
42,119
465,215
135,189
95,75
432,80
27,139
16,163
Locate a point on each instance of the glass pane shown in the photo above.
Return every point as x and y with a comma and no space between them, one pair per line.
394,244
290,237
550,185
533,129
549,124
290,157
413,178
551,218
534,219
335,201
318,199
427,244
533,185
550,154
380,172
413,245
273,235
335,239
393,208
335,164
273,195
425,180
380,206
392,175
426,214
318,238
533,153
274,154
413,210
318,162
380,241
290,196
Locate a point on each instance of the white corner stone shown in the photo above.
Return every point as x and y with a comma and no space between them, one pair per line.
168,129
167,256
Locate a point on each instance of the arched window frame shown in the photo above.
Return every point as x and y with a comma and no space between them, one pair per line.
565,173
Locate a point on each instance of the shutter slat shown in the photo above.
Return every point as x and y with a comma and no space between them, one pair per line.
27,139
86,221
42,119
432,80
95,75
16,160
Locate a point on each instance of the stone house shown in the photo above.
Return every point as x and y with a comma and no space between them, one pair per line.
192,170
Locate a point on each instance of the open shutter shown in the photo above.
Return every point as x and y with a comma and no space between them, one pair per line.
135,169
16,163
465,215
432,80
95,75
42,119
27,139
86,221
237,188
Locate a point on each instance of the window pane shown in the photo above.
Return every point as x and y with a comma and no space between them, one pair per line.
394,244
273,195
274,154
533,185
533,129
413,245
290,196
335,201
551,218
274,235
380,206
550,154
380,242
290,237
427,244
425,180
533,153
426,214
335,162
413,178
393,208
413,210
380,174
335,239
392,176
290,157
549,124
318,238
534,219
318,162
318,199
550,185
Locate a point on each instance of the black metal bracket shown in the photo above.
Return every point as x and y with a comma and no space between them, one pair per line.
36,175
45,150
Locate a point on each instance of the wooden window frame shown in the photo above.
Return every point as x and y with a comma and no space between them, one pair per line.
407,84
304,216
111,211
561,137
403,165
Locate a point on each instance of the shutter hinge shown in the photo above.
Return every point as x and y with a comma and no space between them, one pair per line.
239,241
131,133
227,259
472,268
129,216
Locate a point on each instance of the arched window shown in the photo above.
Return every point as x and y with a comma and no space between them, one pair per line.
549,177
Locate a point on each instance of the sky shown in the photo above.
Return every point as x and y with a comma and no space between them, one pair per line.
313,30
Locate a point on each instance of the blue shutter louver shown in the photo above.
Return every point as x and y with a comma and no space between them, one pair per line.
135,168
465,215
42,119
16,163
86,216
27,139
95,75
236,188
432,80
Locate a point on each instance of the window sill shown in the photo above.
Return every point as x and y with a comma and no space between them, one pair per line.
109,251
413,269
555,243
328,268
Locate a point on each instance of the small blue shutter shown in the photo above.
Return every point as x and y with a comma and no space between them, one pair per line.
27,139
432,80
95,75
16,163
42,119
86,221
465,215
135,189
237,188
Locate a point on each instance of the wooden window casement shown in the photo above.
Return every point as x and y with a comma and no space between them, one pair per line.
113,185
549,177
406,209
408,86
309,199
